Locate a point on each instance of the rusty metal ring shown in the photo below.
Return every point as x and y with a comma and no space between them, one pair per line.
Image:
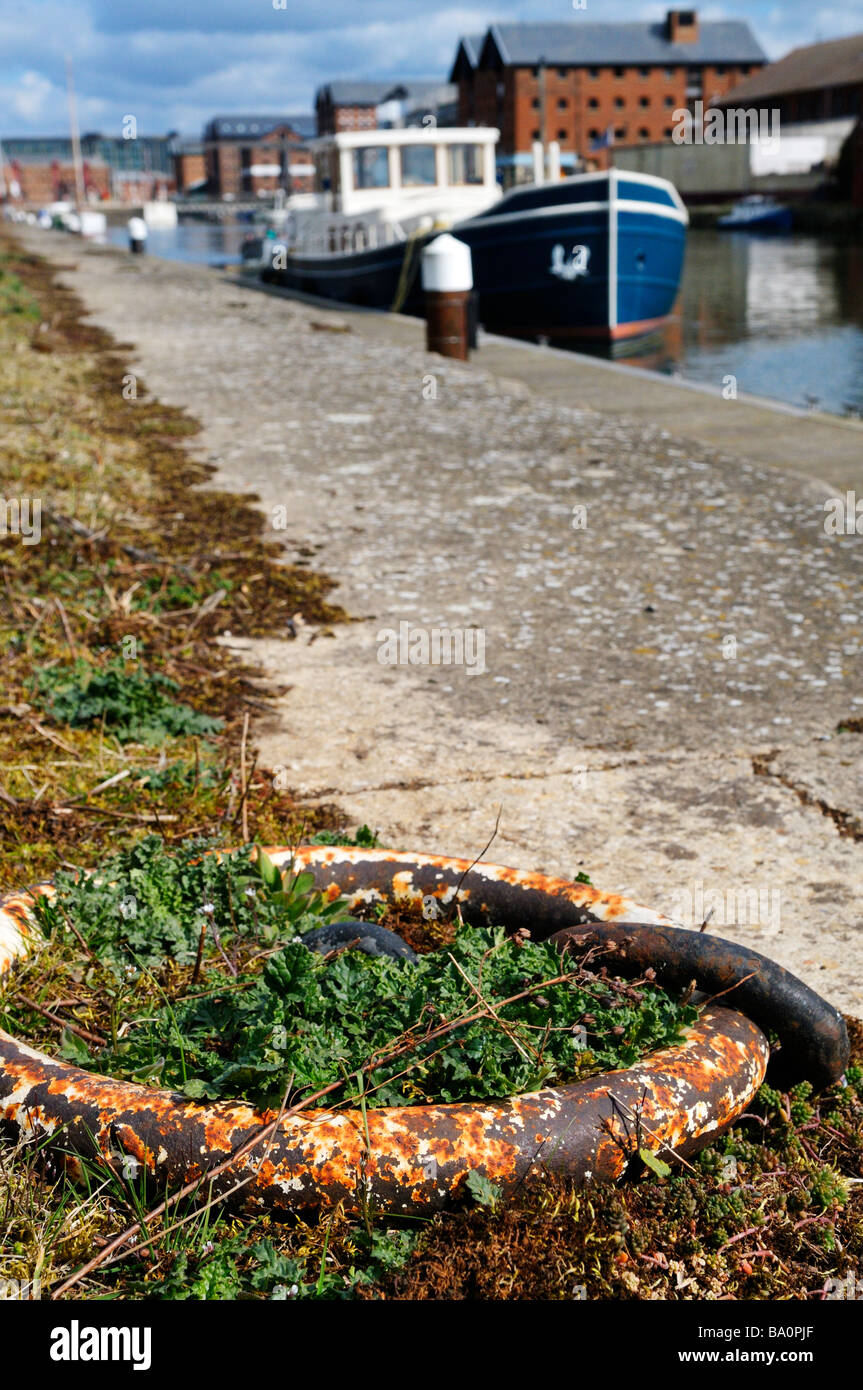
413,1158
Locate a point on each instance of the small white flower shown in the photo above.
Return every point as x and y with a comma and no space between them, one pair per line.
208,909
281,1292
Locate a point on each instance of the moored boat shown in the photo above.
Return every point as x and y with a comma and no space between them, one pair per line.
757,213
592,256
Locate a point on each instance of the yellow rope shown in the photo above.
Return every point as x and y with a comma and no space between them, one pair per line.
405,277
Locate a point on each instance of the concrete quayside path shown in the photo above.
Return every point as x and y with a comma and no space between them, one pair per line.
659,636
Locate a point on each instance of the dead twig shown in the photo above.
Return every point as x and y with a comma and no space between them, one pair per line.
61,1023
243,783
473,865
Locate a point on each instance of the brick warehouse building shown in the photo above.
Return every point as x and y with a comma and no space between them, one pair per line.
348,105
41,167
249,155
821,82
580,83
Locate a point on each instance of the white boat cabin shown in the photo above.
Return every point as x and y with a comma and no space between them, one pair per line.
375,187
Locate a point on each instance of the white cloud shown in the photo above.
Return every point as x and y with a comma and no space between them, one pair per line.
175,64
33,96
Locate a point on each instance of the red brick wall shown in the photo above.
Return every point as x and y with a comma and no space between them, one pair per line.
224,168
45,183
332,118
355,118
189,169
577,103
227,163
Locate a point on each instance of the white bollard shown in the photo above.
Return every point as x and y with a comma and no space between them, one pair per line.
538,153
93,225
137,229
553,161
447,281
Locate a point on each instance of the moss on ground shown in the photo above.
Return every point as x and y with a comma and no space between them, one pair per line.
140,567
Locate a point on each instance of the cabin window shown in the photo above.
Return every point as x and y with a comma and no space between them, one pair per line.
418,166
464,164
371,167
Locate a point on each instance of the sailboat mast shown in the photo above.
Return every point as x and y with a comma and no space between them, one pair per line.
76,139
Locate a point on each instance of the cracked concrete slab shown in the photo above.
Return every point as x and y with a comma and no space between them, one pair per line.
829,776
659,615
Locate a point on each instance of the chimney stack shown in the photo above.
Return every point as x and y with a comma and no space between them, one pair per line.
681,26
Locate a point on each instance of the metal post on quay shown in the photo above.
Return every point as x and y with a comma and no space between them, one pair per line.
137,229
447,281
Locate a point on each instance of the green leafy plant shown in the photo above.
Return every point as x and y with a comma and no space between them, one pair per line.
137,706
364,838
484,1192
197,977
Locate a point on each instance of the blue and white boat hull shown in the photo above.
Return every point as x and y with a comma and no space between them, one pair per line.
597,256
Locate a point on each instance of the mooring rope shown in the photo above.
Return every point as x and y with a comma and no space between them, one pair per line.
408,270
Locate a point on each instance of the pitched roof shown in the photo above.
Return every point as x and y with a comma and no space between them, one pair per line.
472,46
837,63
466,55
376,93
350,93
430,91
725,41
236,126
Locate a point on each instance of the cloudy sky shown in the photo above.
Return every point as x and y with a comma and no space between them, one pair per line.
174,63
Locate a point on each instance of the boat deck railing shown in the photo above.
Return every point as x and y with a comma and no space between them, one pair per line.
336,238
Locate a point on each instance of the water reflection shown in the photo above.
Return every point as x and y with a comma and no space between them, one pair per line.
207,243
784,315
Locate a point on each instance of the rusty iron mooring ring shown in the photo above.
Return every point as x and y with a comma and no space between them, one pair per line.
414,1158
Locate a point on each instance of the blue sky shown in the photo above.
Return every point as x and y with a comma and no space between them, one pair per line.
173,63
